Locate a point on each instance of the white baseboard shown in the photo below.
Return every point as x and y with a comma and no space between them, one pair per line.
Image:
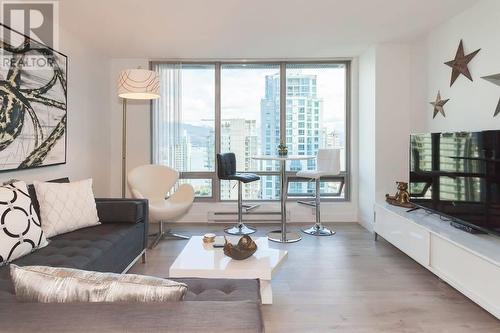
205,212
365,223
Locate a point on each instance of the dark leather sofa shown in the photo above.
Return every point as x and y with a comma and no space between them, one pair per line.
210,305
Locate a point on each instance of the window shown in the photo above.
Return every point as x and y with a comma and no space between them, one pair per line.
183,130
250,121
323,92
206,108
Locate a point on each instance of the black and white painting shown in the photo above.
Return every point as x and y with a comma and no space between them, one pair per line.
33,102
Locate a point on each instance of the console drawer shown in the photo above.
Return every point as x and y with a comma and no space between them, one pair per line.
472,275
407,236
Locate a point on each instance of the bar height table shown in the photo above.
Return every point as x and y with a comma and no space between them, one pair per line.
282,236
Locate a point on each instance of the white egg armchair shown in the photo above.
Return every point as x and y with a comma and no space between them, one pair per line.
153,182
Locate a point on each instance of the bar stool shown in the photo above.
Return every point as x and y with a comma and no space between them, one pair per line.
226,170
327,164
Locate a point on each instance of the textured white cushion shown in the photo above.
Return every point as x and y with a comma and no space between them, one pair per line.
20,231
62,285
66,207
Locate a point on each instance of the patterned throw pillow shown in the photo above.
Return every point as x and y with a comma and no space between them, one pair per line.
20,231
66,207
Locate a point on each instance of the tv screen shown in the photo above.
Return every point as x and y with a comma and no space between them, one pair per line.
458,176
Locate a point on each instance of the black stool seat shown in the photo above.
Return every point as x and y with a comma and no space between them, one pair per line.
226,169
243,177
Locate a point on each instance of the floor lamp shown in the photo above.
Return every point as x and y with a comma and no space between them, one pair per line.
139,84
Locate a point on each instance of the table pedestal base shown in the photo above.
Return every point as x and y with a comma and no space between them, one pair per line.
290,237
319,231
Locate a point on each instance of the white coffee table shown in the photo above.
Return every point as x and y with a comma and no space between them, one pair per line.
204,261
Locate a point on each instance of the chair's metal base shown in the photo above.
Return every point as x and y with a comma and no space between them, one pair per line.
161,234
311,203
318,230
249,207
290,237
240,230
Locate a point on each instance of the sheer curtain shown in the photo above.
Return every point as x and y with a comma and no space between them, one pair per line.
167,116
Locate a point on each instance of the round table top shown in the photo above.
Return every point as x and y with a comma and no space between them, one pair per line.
283,158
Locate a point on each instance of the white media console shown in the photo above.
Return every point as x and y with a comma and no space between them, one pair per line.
468,262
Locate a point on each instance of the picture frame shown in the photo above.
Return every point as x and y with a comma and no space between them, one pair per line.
33,103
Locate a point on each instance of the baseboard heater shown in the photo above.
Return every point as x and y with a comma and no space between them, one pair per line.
252,216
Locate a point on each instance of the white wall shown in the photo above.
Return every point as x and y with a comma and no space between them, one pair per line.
419,100
366,170
384,124
471,104
392,121
138,152
88,119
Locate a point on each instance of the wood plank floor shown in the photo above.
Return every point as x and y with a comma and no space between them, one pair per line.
348,283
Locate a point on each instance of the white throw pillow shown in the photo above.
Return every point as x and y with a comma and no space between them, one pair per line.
20,231
66,207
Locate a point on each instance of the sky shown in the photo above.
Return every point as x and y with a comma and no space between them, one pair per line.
242,90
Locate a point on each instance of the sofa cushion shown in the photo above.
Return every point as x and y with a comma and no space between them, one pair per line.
6,287
221,289
100,248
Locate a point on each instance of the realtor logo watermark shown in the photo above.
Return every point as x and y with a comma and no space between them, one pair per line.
37,20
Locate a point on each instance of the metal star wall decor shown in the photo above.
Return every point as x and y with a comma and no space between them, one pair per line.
495,79
459,65
438,105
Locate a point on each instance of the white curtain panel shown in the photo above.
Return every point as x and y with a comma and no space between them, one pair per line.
167,115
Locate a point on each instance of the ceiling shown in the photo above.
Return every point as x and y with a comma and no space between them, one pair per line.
249,29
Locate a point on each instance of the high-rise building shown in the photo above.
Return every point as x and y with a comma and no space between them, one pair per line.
329,139
240,137
270,134
210,144
183,152
303,130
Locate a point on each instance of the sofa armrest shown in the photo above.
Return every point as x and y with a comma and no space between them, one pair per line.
111,210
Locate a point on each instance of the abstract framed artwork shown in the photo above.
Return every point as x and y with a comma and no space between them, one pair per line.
33,103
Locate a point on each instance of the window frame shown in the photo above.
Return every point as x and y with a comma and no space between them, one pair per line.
216,195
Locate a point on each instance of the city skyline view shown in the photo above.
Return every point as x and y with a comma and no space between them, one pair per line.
250,111
198,100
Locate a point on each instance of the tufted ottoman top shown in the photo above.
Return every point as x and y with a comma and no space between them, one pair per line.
221,289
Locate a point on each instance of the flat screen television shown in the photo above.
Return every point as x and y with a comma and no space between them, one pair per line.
457,175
